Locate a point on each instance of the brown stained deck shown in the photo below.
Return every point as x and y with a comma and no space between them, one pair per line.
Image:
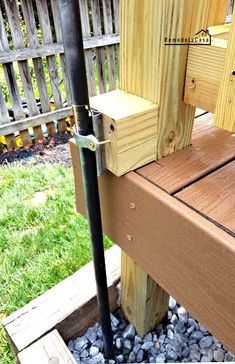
214,196
211,148
201,175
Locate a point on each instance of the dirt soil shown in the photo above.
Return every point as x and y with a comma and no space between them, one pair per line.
52,150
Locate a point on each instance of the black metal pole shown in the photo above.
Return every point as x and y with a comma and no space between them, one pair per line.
75,62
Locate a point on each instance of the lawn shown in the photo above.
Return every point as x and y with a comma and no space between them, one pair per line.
42,239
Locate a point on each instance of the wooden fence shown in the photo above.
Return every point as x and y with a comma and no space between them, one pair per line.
32,62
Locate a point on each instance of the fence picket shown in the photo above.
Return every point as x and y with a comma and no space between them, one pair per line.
108,29
4,116
88,54
100,53
27,8
116,11
11,84
4,119
18,41
56,17
44,20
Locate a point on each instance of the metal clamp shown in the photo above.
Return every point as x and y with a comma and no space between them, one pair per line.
88,141
93,142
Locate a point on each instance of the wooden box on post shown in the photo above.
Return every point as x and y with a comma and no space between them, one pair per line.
130,123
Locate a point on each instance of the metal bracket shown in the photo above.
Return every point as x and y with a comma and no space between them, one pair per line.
88,141
94,142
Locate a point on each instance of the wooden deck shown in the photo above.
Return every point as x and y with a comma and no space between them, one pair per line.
202,175
181,229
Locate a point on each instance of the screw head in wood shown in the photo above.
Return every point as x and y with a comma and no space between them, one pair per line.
132,205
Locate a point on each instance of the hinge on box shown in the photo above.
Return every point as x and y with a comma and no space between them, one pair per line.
95,143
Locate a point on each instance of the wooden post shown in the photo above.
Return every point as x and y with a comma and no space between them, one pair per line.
156,72
225,107
144,302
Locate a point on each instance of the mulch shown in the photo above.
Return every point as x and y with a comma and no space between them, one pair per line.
51,150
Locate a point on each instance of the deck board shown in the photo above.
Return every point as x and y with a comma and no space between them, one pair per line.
211,148
213,196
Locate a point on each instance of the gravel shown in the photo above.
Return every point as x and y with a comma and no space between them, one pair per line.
179,339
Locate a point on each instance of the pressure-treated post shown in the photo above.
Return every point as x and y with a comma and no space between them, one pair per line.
156,72
144,302
225,107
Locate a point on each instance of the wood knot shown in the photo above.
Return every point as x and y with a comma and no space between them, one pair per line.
171,136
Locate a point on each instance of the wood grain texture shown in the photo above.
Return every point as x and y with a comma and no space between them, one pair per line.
50,349
204,70
57,22
130,123
116,11
70,306
144,302
33,121
4,116
18,41
100,53
181,250
27,8
54,48
212,12
88,54
4,119
211,148
213,196
108,29
225,107
33,42
156,72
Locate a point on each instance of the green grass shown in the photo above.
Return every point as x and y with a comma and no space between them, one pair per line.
42,239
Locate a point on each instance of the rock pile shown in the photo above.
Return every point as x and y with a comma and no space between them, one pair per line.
180,339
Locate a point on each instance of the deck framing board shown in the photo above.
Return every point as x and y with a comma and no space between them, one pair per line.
200,270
